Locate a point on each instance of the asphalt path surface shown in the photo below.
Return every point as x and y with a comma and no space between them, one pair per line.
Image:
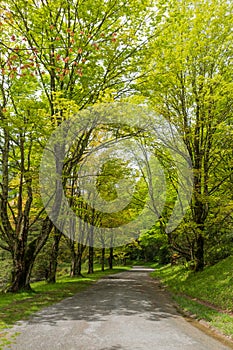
126,311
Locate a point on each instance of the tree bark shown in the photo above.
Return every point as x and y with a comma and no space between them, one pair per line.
24,257
79,264
20,275
110,260
199,266
91,260
91,251
102,258
76,264
54,256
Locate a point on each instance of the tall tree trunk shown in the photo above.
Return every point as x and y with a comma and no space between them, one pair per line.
102,258
199,256
91,260
91,251
110,260
54,256
76,264
79,264
81,248
73,265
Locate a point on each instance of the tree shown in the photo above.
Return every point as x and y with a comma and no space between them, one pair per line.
78,48
24,226
68,53
191,86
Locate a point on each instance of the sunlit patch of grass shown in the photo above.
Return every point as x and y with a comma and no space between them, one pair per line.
214,285
218,320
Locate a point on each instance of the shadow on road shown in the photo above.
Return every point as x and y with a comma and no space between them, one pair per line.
126,311
125,294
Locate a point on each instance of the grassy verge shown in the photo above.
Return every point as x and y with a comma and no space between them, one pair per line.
142,263
15,307
208,295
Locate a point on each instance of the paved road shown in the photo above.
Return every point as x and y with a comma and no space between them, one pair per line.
127,311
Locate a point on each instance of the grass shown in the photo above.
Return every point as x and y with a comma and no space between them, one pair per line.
208,294
15,307
221,321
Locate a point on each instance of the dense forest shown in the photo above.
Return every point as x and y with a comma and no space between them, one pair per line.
142,63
